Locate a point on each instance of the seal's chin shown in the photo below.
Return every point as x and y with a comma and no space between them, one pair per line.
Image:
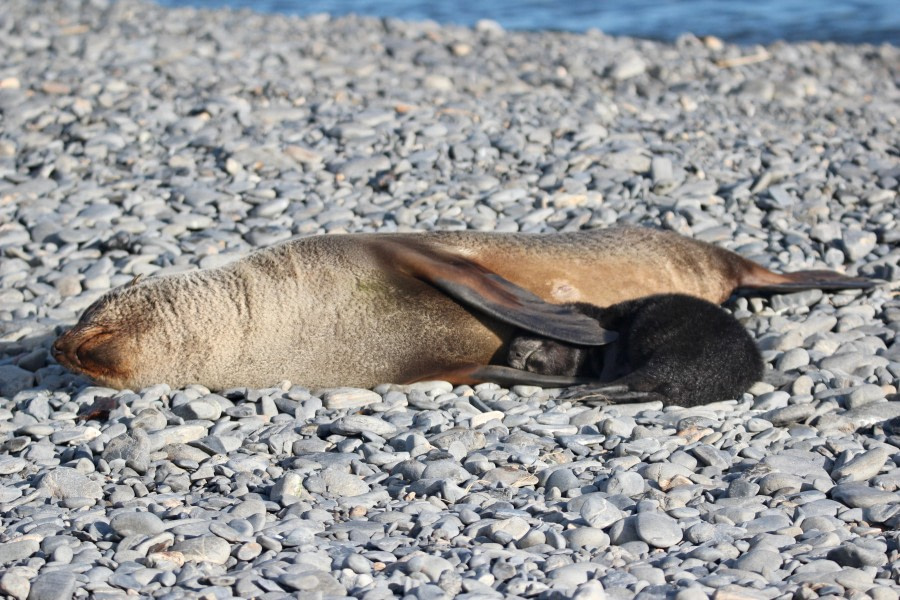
93,351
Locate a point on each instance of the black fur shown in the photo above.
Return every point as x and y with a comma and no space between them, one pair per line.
679,349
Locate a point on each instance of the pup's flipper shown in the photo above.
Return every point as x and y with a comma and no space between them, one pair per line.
610,394
763,280
505,376
474,286
587,390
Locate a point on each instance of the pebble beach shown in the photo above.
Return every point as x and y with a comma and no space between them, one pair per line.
137,140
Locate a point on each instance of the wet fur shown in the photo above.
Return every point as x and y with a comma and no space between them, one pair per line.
679,349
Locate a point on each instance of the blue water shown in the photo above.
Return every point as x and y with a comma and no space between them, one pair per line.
740,21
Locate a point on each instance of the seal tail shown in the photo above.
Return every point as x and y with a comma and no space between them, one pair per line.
761,279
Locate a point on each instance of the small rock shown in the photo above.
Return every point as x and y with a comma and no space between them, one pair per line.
357,424
288,489
11,552
600,513
339,398
758,560
793,413
14,585
53,585
206,548
587,537
562,479
14,379
864,394
65,482
626,483
859,495
515,527
857,244
439,83
446,469
340,483
202,408
657,529
862,467
852,555
136,523
627,67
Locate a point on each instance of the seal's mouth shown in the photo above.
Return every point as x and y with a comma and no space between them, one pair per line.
90,350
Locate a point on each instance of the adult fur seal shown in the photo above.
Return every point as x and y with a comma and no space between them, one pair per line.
364,309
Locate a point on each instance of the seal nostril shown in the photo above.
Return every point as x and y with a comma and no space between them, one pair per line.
60,348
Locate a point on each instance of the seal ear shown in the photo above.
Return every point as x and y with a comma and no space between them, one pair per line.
474,286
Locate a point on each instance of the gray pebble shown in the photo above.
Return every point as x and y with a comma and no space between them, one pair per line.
348,398
859,495
136,523
53,585
65,482
356,424
14,379
514,527
206,548
15,585
341,483
562,479
857,244
626,483
599,512
864,394
658,530
14,551
590,538
445,469
780,482
862,467
793,413
202,408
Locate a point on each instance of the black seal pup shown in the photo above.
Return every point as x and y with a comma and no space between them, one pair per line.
675,348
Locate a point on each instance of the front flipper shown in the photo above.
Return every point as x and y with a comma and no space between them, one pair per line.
476,287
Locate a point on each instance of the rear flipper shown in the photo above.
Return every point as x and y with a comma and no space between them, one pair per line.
760,279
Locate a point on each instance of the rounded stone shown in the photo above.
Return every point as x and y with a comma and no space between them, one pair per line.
657,529
600,513
136,523
206,548
65,482
590,538
626,483
562,479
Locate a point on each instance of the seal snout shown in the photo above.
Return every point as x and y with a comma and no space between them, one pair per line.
90,350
